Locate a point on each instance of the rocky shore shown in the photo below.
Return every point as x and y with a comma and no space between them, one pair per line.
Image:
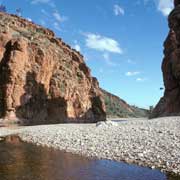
153,143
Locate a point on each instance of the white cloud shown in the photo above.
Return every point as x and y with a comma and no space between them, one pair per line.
40,1
42,22
108,60
86,58
45,12
118,10
141,79
29,19
58,17
77,47
48,2
106,56
101,43
165,6
132,73
56,26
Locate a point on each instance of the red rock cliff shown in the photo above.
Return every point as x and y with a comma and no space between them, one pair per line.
170,103
43,80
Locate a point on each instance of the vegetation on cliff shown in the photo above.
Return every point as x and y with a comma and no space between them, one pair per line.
116,107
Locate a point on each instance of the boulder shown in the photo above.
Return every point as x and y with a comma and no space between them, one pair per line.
106,124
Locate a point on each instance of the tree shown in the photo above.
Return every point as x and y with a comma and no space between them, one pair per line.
2,8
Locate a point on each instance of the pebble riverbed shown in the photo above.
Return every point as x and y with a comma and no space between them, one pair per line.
154,143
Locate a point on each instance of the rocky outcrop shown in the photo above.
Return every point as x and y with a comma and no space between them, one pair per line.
43,80
117,107
169,104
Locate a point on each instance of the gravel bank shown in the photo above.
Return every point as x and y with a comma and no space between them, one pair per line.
154,143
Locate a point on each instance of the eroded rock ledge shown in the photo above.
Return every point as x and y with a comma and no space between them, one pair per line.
43,80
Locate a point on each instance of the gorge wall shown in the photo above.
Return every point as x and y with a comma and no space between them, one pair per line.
43,80
169,104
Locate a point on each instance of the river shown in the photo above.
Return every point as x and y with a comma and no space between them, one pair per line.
24,161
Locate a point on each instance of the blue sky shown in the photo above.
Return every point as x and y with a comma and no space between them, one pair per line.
121,40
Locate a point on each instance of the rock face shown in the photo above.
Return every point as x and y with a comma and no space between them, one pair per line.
170,104
176,2
43,80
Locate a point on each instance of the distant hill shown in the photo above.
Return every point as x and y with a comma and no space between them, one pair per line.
116,107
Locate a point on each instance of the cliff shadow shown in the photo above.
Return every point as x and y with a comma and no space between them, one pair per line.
36,105
4,77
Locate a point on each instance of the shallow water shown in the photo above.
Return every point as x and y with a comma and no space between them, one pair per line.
24,161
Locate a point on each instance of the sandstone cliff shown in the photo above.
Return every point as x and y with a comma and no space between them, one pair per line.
117,107
43,80
169,104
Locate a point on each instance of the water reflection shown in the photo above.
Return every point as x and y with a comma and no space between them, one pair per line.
23,161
